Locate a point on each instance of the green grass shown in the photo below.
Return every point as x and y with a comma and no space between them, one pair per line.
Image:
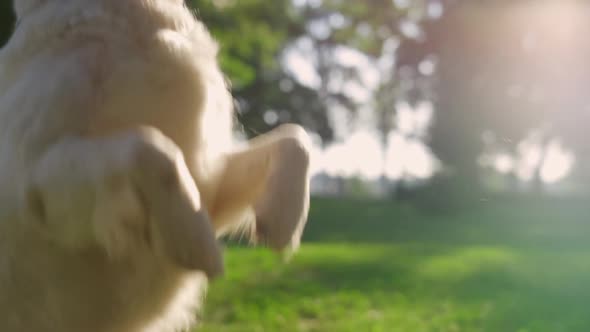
370,266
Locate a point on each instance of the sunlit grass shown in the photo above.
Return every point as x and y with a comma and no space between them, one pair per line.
369,266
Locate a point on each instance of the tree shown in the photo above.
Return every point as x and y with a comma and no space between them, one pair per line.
506,70
253,35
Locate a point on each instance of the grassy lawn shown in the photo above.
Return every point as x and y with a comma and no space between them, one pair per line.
370,266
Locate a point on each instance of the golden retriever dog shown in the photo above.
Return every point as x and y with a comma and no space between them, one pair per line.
117,169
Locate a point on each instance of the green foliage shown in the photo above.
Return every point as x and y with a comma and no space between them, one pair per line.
251,33
369,266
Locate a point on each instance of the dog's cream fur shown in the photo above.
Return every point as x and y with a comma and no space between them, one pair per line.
117,170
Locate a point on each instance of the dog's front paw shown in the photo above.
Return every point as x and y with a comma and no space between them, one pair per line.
281,214
180,230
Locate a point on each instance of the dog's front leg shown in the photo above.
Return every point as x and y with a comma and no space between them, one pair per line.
272,175
124,193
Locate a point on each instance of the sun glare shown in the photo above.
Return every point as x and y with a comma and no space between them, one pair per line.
555,28
551,163
557,164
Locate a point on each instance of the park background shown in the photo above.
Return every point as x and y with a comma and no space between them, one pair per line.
451,163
